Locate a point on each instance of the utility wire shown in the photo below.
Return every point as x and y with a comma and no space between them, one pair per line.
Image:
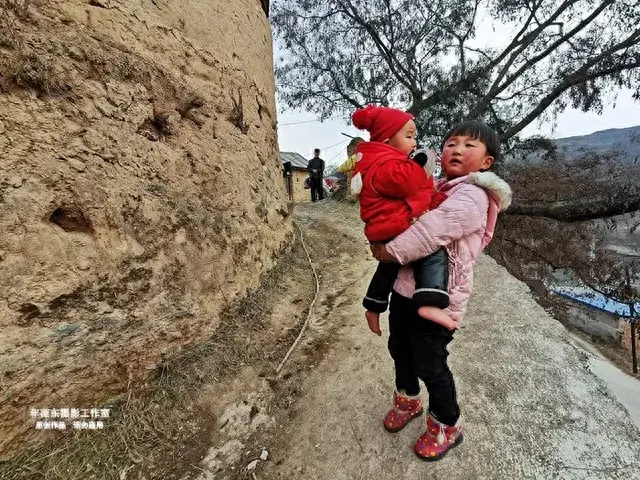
307,121
336,155
297,123
335,145
310,312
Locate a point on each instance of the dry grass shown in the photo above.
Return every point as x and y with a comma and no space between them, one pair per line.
12,14
159,430
28,69
138,427
37,72
236,116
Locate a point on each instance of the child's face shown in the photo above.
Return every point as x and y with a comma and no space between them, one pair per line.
463,155
405,138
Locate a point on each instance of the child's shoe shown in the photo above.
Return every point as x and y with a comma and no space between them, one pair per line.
438,439
405,408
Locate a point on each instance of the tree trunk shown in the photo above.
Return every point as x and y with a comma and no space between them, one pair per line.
578,210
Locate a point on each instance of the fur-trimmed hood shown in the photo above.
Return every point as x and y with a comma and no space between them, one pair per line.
497,190
496,187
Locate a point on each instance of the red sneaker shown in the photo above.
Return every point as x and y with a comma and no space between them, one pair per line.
405,408
438,439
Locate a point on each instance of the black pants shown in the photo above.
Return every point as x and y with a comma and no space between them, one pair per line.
432,279
317,190
419,350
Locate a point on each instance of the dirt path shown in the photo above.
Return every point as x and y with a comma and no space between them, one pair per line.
532,407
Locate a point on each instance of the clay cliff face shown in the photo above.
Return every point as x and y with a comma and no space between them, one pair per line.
140,189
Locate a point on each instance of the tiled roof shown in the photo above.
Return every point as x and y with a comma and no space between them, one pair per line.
297,160
599,301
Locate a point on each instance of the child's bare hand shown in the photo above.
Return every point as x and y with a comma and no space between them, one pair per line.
380,253
373,319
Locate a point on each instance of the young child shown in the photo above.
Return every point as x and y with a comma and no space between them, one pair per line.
463,224
349,165
395,189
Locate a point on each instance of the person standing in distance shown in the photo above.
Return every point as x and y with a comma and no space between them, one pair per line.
316,173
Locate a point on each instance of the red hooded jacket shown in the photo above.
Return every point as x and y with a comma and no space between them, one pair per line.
395,190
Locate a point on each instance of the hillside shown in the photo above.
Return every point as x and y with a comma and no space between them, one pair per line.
621,144
624,141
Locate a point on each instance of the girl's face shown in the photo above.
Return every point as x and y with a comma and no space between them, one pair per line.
405,138
463,155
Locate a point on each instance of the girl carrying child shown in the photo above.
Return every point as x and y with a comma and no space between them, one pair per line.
461,221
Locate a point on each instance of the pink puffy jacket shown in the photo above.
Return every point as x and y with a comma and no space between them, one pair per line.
464,224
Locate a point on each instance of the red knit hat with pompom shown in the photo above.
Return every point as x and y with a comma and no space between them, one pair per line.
381,122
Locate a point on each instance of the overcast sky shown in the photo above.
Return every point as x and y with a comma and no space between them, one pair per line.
304,137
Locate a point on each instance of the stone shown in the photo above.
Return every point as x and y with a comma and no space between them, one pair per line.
16,182
65,330
100,3
84,264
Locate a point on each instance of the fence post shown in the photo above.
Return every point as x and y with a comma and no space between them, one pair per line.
633,320
634,357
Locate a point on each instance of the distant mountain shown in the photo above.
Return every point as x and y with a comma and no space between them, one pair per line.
623,142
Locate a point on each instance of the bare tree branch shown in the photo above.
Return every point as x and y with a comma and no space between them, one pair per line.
498,87
576,78
421,54
574,211
396,67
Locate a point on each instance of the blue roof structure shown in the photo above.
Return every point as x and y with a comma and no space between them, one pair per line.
598,301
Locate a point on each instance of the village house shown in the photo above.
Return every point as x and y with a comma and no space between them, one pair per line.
295,175
594,313
597,314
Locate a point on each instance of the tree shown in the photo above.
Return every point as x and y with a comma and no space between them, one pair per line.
600,251
588,186
555,236
426,56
